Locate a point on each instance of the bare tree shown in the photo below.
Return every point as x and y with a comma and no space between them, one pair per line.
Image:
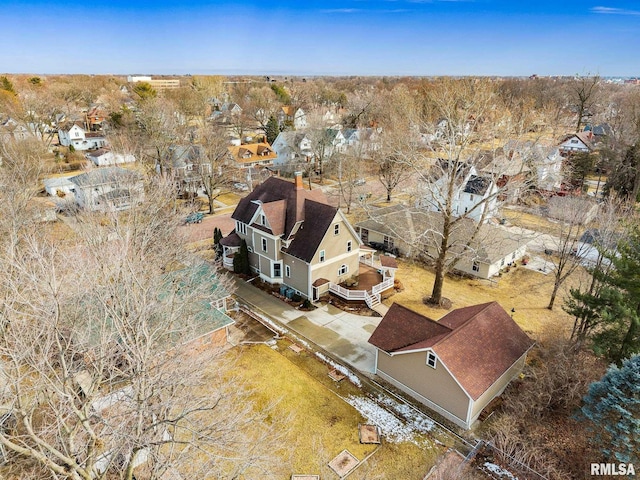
101,375
574,215
451,159
584,95
214,167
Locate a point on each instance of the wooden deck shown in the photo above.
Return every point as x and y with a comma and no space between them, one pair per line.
367,278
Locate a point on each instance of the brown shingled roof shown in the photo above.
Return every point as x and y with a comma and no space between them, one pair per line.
272,190
482,342
318,217
402,327
276,213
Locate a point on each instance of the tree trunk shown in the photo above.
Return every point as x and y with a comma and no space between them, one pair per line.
438,283
388,194
211,207
552,300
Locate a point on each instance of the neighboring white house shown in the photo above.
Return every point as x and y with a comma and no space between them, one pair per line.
292,115
60,186
474,194
109,188
292,148
103,157
81,140
577,142
548,168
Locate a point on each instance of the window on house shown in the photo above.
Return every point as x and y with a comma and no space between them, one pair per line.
287,271
349,246
432,359
343,269
277,270
322,256
263,220
264,244
471,197
475,267
388,242
241,227
249,249
336,229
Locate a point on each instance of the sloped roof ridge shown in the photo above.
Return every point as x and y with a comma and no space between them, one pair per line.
468,321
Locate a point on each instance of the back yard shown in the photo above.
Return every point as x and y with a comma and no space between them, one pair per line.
524,290
321,424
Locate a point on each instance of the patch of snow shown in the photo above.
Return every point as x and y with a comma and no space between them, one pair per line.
421,422
498,470
272,325
353,378
394,429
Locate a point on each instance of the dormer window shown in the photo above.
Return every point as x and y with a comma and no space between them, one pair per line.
263,220
432,360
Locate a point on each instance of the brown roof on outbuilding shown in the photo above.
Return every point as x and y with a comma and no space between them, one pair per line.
477,344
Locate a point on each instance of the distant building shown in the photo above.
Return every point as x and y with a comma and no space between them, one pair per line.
157,83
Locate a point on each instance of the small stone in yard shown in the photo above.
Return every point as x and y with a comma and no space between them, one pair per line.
343,463
369,433
296,348
335,375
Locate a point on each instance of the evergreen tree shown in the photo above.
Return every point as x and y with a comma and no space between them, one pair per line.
610,313
272,129
241,260
612,406
7,85
217,236
624,178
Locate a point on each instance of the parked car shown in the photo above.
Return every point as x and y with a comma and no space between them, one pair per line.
359,181
195,217
243,187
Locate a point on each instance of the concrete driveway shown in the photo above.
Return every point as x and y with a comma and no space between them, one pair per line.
341,333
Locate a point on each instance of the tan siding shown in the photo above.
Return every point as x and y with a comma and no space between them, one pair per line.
265,266
335,245
435,384
299,274
272,252
497,388
329,269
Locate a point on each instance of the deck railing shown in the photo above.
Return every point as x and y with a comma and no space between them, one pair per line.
346,293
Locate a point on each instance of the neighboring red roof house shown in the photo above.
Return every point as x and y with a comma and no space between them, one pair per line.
456,365
252,154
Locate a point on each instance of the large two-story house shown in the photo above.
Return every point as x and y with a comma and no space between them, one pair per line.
294,237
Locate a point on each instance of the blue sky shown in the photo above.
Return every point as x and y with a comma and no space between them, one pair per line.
348,37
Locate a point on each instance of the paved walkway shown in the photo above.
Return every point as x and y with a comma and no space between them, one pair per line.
343,334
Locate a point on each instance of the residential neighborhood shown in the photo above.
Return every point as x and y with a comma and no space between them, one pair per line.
262,277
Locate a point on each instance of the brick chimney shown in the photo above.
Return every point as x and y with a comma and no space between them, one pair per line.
298,182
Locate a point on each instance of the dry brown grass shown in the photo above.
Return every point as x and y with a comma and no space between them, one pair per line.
321,423
230,198
525,290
